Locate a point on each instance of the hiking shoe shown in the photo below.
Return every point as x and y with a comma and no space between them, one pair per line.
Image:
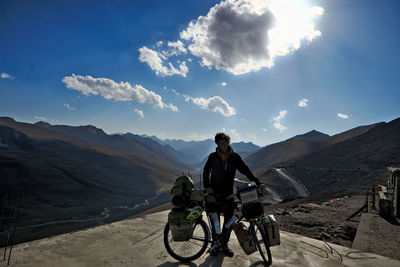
227,251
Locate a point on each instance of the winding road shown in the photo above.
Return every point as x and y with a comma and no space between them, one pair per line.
104,215
301,189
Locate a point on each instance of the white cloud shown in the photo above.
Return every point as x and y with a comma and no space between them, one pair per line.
252,137
242,120
140,113
264,129
69,107
214,104
303,103
224,84
235,135
199,137
175,92
282,114
109,89
6,76
279,126
343,116
277,120
155,62
295,20
40,118
176,48
160,43
241,36
316,11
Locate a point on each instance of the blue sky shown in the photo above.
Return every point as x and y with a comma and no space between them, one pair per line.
260,71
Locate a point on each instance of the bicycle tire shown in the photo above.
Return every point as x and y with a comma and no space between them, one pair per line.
262,244
182,246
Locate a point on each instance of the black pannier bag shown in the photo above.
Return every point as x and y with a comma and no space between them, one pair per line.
251,204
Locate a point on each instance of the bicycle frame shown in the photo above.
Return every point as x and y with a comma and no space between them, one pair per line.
255,228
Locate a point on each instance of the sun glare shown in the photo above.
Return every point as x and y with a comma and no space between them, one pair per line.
293,22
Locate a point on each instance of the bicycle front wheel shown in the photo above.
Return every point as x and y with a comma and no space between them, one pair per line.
186,251
262,244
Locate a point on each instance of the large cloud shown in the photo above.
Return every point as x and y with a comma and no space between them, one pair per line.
109,89
241,36
214,104
155,60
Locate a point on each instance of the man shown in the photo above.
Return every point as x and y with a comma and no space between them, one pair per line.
222,165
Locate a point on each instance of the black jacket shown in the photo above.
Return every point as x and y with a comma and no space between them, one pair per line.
223,173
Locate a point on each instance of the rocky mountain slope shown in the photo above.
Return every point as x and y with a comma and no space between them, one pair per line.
67,178
351,164
145,149
299,146
288,149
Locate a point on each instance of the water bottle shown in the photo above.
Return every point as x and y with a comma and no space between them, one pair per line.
217,226
230,222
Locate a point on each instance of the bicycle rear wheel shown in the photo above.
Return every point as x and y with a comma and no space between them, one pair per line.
186,251
262,244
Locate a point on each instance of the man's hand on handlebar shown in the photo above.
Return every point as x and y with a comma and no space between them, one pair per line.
261,187
209,190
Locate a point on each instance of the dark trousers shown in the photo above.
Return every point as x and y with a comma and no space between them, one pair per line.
226,207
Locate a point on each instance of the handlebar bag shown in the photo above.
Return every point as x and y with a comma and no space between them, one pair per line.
245,239
252,210
181,228
271,228
248,194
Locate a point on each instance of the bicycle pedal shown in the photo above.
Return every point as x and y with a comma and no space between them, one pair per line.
214,250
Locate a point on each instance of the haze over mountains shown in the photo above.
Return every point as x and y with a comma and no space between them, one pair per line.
75,172
197,151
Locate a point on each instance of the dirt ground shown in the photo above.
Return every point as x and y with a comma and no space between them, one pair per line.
321,216
324,217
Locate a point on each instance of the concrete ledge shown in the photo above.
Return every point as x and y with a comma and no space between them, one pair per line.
139,242
377,235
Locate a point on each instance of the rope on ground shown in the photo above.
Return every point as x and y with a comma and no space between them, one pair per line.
329,250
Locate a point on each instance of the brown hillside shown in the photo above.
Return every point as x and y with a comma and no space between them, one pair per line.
66,181
351,164
120,143
299,146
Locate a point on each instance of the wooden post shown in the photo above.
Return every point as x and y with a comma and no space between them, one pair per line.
373,205
366,202
395,194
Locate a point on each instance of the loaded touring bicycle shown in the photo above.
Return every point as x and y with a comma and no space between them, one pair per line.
187,235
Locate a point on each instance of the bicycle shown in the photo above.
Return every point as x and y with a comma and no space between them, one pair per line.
186,251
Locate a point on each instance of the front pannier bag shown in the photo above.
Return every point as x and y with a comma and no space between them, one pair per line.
181,228
245,239
271,229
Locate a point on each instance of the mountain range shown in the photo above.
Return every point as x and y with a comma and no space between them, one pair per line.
198,151
349,161
77,171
